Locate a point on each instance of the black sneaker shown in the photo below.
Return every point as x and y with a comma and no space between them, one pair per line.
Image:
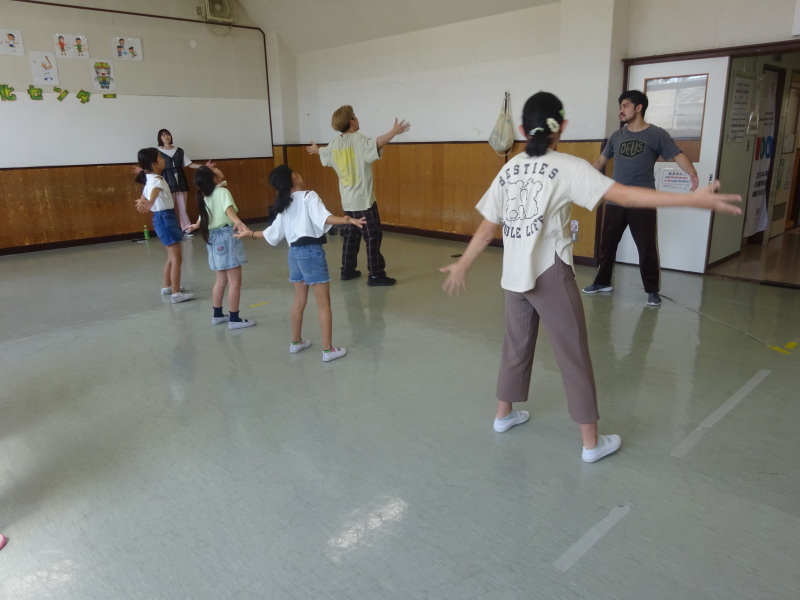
350,275
382,280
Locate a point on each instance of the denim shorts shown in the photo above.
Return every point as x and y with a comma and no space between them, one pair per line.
224,251
307,265
165,222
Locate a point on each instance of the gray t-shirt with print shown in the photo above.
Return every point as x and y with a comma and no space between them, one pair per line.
635,154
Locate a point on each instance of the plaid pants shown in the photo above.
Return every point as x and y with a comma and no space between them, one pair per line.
351,242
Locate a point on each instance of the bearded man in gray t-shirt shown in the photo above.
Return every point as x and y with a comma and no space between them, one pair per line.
635,148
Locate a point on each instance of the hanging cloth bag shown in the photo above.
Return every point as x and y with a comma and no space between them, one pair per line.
502,137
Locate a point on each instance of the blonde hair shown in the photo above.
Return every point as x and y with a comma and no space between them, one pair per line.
341,118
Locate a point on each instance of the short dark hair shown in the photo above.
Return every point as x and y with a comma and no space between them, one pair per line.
147,158
160,131
636,97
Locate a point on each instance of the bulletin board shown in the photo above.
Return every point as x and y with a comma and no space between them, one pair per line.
206,84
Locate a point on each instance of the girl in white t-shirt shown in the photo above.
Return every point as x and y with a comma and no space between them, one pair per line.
157,199
300,217
531,198
217,222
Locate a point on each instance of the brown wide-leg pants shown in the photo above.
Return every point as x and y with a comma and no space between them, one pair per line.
556,302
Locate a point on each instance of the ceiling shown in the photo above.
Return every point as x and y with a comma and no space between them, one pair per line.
312,25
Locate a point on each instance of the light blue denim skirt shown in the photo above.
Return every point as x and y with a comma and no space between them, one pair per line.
225,251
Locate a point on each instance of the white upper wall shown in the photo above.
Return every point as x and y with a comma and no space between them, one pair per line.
448,82
658,27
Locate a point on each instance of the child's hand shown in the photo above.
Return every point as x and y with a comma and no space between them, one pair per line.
357,222
312,149
192,227
240,227
141,205
210,164
136,169
456,281
243,234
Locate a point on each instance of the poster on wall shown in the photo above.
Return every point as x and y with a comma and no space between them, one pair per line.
11,42
103,76
123,48
44,69
764,147
70,45
740,108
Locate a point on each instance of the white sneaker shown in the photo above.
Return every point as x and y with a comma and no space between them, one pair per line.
515,417
241,324
606,444
180,297
220,320
168,291
301,345
333,354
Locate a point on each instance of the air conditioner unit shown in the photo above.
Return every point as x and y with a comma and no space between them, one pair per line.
219,11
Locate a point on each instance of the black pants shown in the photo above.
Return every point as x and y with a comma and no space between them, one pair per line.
644,229
351,242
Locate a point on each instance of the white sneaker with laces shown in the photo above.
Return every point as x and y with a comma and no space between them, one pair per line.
220,320
241,324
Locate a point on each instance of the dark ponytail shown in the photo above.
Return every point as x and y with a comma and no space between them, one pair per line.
281,179
542,117
204,180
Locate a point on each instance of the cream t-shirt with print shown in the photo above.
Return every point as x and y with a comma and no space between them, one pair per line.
351,155
531,198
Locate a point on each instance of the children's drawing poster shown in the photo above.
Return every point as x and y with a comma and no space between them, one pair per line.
43,66
70,45
103,76
11,42
123,48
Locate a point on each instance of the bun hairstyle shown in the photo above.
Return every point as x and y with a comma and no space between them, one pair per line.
542,116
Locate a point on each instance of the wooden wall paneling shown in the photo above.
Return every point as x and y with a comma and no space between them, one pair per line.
434,187
60,205
322,180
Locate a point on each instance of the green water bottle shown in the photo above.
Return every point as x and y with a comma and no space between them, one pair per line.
146,233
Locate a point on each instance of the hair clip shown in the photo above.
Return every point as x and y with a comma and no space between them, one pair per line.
552,124
535,130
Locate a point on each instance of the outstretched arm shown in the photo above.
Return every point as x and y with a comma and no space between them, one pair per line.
399,127
194,165
456,281
346,220
686,164
312,149
704,197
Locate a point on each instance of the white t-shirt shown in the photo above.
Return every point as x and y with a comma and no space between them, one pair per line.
171,152
532,198
164,199
305,217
